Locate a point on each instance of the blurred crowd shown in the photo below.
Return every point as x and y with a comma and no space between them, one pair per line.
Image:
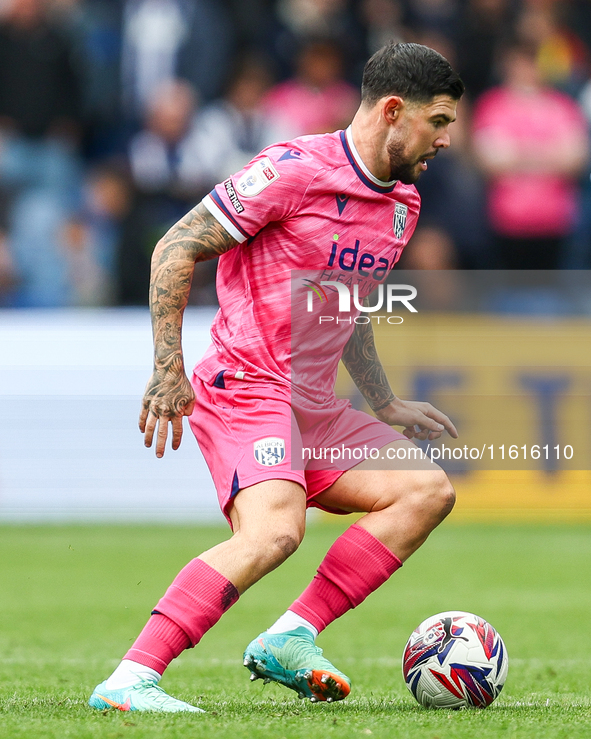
117,116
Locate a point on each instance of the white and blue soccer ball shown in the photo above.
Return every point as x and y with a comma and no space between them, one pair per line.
455,660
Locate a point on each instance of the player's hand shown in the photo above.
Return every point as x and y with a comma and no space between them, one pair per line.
166,400
420,420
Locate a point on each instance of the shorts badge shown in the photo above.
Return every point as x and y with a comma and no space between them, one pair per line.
270,451
257,177
400,213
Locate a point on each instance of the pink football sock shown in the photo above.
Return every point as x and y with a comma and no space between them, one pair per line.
160,641
193,603
355,566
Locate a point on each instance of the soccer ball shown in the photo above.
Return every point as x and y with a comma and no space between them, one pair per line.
455,660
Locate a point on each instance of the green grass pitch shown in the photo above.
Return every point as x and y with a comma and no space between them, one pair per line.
73,599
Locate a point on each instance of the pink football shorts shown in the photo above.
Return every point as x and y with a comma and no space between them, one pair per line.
248,432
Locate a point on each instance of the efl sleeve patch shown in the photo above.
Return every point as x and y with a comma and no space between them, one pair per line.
235,204
256,178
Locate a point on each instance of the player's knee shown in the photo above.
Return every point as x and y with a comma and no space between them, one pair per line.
430,495
441,495
283,540
283,545
287,544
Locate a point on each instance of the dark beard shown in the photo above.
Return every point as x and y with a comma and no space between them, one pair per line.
405,172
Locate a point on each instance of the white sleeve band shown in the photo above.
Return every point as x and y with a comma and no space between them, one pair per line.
223,219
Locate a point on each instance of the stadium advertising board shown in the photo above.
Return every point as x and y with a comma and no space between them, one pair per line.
506,356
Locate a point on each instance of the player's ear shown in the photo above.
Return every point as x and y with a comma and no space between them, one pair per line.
391,108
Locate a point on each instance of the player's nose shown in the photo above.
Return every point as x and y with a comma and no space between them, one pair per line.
443,141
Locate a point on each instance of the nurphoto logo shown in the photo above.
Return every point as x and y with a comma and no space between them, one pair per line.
393,294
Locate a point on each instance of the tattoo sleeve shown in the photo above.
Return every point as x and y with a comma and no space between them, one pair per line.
363,364
195,238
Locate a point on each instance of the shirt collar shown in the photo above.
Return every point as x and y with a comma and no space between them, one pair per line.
359,165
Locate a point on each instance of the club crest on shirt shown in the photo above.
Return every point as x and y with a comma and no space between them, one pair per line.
399,224
257,177
270,451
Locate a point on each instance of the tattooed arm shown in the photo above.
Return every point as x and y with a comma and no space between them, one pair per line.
169,395
363,364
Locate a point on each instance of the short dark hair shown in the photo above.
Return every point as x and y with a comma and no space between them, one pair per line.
413,71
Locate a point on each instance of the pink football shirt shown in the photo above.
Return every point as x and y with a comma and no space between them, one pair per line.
303,212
